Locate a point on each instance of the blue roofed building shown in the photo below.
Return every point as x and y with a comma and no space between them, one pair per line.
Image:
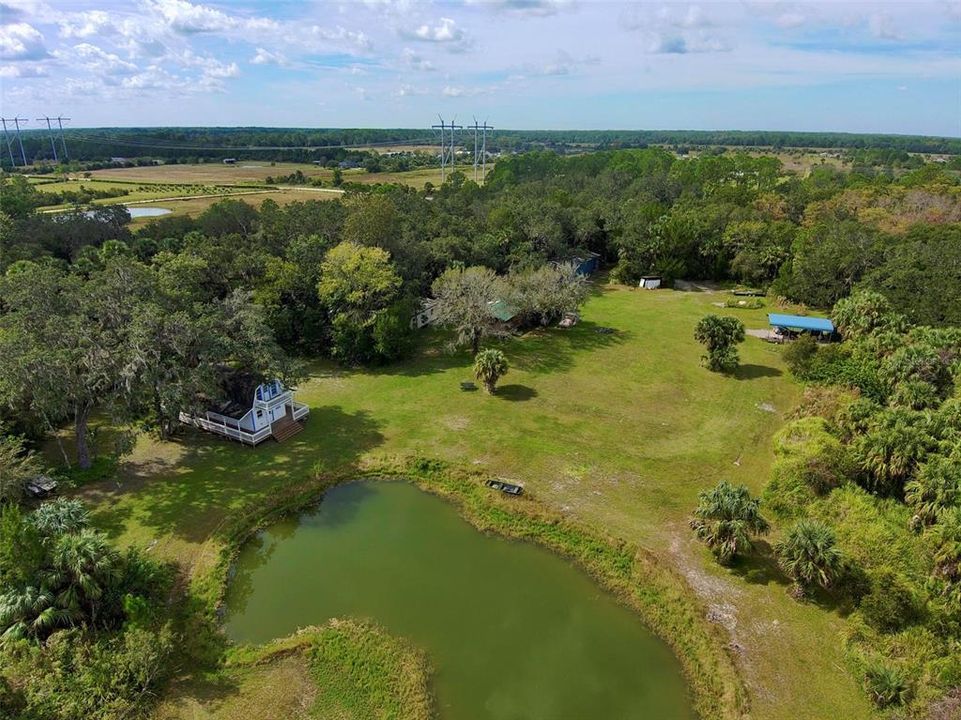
784,327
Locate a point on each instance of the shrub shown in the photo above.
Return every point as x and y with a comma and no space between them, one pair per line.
886,685
916,395
829,403
800,356
809,555
936,489
864,313
74,676
489,366
808,453
719,335
788,493
891,603
726,517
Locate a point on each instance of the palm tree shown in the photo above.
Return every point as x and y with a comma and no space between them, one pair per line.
936,488
59,517
890,454
726,517
809,555
84,563
489,366
946,535
31,612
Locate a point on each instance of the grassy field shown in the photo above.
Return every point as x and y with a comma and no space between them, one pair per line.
620,431
194,206
191,189
257,172
345,670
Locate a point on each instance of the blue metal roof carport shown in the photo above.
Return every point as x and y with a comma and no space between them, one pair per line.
800,322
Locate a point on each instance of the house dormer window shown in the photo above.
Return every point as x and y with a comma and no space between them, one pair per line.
269,391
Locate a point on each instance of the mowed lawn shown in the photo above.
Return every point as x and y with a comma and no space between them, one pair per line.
620,429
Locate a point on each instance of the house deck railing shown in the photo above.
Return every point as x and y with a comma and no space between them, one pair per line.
300,410
221,427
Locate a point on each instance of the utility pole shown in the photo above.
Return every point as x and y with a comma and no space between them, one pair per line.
16,123
453,128
443,147
63,142
53,142
476,127
6,137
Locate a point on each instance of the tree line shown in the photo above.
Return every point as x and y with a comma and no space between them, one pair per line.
99,144
868,476
140,325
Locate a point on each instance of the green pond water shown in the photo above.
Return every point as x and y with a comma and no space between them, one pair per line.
513,631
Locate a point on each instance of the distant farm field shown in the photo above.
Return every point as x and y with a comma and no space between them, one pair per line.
254,172
210,173
194,206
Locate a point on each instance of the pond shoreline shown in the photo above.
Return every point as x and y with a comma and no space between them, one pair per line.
635,577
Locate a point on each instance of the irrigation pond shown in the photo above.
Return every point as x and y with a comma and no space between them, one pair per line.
512,630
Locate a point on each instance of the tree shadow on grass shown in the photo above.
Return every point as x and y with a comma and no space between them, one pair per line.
516,393
759,567
552,349
214,475
753,372
205,689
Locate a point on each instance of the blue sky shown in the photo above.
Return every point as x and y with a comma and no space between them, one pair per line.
857,66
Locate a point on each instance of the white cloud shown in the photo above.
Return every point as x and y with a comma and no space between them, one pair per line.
266,57
882,27
416,62
96,60
407,90
666,43
20,41
85,24
185,17
565,64
23,70
444,32
534,8
790,20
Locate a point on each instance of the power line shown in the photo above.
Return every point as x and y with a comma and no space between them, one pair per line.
53,142
106,139
16,121
6,137
63,142
443,151
483,150
447,147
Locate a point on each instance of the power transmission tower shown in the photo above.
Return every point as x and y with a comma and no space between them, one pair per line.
453,129
63,142
483,145
53,142
16,123
6,137
443,146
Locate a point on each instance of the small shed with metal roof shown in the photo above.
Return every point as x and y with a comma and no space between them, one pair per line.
800,323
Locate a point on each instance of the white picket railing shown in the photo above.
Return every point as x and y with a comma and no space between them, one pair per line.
300,410
222,428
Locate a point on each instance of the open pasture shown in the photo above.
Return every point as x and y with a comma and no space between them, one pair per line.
619,430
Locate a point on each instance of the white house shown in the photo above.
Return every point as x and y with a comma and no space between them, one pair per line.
426,315
253,414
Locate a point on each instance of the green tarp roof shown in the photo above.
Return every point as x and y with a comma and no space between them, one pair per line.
502,310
